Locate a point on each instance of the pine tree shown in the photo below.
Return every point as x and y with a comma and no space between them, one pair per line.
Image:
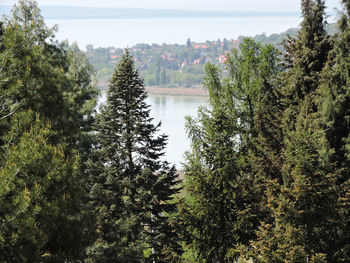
131,194
265,155
336,95
305,56
188,43
268,116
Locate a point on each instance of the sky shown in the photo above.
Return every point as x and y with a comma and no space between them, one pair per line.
223,5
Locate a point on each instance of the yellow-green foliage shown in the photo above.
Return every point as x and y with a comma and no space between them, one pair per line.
37,187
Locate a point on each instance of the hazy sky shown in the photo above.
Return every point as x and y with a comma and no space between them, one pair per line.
251,5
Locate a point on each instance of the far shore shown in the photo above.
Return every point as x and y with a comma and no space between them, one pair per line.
180,91
176,91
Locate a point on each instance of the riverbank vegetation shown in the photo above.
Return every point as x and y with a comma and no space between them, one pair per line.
266,180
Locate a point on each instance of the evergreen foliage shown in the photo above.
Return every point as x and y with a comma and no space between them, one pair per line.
266,179
334,106
306,56
53,80
131,194
50,78
217,215
304,199
220,215
39,196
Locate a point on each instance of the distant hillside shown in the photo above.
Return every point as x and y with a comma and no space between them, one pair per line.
176,65
68,12
163,65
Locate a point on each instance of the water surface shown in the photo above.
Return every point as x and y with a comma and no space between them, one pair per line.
171,111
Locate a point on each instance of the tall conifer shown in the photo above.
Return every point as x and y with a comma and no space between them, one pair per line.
131,194
222,213
216,215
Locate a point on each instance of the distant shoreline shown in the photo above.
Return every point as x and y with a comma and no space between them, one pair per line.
179,91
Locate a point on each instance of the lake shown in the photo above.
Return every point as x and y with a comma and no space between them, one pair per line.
171,111
124,33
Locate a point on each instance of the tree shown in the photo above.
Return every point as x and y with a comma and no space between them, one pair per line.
214,211
219,211
303,201
39,186
335,94
334,100
163,77
53,80
265,155
50,78
306,56
188,43
5,112
131,194
225,46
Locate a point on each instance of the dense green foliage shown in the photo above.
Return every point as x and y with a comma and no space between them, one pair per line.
39,186
307,194
281,133
219,188
266,180
47,83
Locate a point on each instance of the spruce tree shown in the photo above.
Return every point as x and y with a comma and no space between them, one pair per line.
268,116
305,58
131,193
265,155
335,94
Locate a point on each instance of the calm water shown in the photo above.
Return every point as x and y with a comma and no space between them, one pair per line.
128,32
171,111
